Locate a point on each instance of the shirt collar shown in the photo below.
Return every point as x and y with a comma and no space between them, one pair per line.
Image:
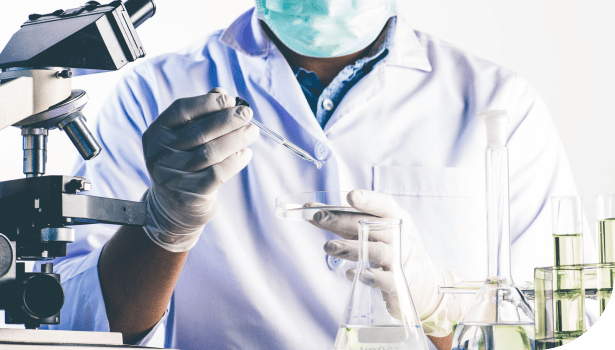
247,36
383,42
378,50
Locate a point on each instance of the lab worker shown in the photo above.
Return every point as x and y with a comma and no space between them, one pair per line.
391,114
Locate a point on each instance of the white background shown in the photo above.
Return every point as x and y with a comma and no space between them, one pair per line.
564,47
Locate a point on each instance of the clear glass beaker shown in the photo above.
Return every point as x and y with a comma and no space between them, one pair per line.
568,293
605,213
384,317
500,317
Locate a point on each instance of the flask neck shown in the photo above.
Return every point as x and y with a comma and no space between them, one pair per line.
498,214
371,233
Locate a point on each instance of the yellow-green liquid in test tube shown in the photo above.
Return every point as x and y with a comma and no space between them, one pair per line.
606,275
606,248
568,293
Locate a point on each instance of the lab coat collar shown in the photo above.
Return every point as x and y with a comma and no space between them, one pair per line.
406,50
276,77
247,36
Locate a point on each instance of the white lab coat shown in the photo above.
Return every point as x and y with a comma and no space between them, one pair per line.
408,128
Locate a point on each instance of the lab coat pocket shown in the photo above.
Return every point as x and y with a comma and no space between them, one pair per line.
448,209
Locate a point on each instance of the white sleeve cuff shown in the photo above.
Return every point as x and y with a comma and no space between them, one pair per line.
452,306
157,335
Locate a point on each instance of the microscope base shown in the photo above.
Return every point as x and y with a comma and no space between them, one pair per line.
40,339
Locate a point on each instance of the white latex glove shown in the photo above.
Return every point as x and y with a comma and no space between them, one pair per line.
437,311
193,147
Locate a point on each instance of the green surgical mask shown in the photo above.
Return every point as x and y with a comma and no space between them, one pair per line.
326,28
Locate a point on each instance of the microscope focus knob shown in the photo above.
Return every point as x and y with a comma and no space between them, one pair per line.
6,255
42,295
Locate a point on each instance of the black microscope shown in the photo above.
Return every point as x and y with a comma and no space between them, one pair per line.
37,212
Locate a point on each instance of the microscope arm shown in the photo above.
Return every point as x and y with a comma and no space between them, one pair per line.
16,101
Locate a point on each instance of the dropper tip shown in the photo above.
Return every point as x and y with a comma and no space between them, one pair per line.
312,160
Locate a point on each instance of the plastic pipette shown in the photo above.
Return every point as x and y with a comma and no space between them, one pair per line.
279,139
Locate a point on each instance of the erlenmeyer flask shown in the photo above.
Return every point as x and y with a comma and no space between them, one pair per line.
377,319
500,317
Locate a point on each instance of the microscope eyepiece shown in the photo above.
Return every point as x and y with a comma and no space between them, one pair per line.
140,10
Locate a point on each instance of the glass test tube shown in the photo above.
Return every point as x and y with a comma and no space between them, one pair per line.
605,212
543,309
568,293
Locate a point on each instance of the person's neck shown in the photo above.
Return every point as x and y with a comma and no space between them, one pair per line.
326,68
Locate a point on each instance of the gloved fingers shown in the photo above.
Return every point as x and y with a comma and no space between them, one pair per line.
380,255
205,181
210,153
209,127
309,215
185,110
375,278
384,206
344,224
218,90
343,249
383,280
377,204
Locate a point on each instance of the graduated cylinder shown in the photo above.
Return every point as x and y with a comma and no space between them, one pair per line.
500,317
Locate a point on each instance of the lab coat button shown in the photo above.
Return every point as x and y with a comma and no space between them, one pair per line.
335,263
321,152
327,104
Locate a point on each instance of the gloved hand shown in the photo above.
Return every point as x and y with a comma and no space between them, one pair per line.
437,311
193,147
